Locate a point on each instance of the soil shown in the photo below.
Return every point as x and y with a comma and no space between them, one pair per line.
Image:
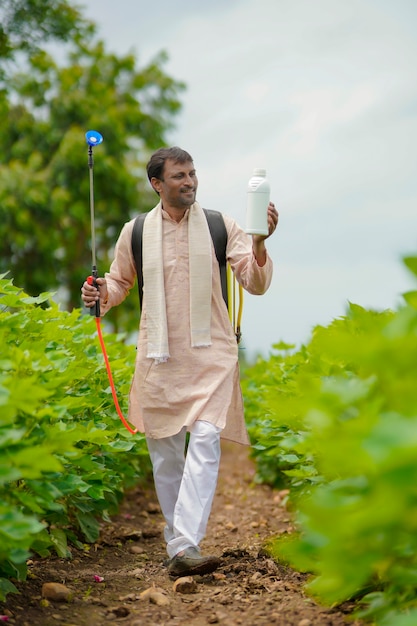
108,581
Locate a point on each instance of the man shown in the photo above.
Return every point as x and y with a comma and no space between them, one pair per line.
187,375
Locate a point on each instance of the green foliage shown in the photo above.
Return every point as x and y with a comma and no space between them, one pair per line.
65,458
27,24
337,420
275,390
45,224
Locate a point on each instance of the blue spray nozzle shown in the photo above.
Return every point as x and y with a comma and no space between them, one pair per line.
93,138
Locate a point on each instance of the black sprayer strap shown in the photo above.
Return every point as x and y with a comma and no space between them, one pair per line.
137,251
218,234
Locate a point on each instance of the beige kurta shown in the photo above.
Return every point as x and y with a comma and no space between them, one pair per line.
195,383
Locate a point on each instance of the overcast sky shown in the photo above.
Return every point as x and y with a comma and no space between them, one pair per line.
321,93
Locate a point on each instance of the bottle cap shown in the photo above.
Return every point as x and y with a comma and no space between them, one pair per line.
258,171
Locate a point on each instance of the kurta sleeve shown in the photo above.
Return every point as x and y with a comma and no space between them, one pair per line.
253,278
122,274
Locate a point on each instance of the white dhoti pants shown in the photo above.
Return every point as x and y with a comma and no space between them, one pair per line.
185,484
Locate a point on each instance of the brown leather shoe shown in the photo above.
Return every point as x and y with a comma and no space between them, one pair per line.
191,562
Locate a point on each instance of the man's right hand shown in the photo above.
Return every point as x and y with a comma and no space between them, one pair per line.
91,294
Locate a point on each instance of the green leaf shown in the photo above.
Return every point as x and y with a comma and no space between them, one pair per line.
398,619
43,297
411,298
59,540
42,543
39,460
411,263
8,474
89,526
16,526
121,445
6,587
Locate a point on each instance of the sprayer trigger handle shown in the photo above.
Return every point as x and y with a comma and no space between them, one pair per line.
92,281
95,309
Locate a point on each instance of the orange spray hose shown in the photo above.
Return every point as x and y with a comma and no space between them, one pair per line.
109,374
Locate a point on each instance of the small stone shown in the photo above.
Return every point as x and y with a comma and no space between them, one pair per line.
160,599
186,584
56,592
305,622
156,595
136,550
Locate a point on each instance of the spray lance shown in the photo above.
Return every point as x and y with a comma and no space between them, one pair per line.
93,139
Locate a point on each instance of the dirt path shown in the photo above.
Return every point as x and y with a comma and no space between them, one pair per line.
248,589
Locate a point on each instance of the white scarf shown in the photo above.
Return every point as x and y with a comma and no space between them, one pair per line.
200,273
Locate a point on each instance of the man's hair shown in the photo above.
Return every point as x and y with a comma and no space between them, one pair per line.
156,163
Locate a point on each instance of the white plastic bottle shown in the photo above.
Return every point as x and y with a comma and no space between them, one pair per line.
257,203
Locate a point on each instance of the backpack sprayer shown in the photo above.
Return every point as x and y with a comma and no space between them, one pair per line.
93,139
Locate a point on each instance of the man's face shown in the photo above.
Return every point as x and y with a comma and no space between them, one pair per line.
178,186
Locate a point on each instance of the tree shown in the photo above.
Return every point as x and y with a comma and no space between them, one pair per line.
44,180
25,24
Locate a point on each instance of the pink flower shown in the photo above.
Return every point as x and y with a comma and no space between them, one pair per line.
98,579
4,618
